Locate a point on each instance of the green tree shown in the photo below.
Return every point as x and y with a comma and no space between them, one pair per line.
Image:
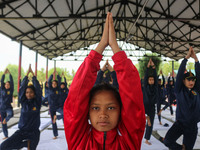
144,61
41,76
167,67
137,66
190,66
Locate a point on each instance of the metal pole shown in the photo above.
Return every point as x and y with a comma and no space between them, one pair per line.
54,69
19,70
172,68
47,69
36,61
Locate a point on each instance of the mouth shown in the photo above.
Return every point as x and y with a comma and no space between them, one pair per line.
103,123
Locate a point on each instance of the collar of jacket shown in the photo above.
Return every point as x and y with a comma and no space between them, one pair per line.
99,136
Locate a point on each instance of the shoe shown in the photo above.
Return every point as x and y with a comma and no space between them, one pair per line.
166,125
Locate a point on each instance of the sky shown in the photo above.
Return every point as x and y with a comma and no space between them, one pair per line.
9,54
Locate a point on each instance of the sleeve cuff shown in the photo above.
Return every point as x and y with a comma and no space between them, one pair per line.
119,56
95,56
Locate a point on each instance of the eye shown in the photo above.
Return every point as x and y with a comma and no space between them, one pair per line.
95,108
111,108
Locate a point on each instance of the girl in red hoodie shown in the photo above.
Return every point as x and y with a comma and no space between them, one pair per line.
113,125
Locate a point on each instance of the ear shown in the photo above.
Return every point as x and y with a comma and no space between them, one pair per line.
184,81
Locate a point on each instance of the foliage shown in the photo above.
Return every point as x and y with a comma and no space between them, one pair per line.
167,67
144,61
190,66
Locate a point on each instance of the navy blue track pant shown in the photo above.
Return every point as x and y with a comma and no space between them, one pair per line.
20,139
7,114
149,129
54,125
178,129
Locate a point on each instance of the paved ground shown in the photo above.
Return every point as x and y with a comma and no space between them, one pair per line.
47,143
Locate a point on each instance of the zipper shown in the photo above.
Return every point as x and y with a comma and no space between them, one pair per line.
104,141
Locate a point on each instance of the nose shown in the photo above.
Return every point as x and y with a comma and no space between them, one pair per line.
103,114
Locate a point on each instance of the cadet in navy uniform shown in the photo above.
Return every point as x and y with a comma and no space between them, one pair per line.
53,100
63,93
6,100
170,91
107,75
188,107
28,134
150,95
45,98
161,97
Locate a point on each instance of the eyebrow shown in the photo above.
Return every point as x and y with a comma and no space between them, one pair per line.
106,104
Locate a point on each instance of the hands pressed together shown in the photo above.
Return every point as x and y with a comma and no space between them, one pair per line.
107,66
150,63
30,71
191,54
7,71
108,37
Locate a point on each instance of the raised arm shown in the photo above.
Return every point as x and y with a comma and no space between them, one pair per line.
50,81
59,80
197,70
132,112
2,81
65,82
76,106
11,83
181,70
132,122
38,90
22,89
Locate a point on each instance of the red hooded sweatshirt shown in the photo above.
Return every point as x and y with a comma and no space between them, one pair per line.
129,132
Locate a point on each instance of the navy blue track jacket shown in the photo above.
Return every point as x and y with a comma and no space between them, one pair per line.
188,101
63,94
30,111
6,94
53,94
150,92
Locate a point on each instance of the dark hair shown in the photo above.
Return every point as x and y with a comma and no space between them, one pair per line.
105,87
55,81
31,87
150,76
8,82
62,83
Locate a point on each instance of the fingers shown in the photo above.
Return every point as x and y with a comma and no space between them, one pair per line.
112,37
104,39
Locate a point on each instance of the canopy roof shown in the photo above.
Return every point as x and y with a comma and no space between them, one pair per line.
54,28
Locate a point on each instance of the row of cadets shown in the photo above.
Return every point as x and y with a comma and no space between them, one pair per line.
28,134
6,96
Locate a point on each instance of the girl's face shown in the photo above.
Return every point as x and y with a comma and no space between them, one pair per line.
54,84
30,94
7,85
104,111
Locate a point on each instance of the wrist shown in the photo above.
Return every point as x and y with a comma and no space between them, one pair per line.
196,59
187,57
